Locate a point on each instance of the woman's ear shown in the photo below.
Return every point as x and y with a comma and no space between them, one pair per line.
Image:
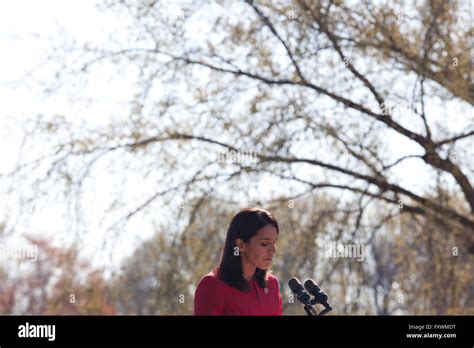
240,244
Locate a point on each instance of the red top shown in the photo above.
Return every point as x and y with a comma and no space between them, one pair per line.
215,297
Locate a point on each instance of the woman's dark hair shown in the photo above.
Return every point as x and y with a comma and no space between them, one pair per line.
244,225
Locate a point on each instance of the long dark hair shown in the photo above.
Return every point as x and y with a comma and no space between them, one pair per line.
244,225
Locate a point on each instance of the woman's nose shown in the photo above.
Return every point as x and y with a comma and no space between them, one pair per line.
273,250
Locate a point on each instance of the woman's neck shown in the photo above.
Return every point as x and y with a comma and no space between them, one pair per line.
248,269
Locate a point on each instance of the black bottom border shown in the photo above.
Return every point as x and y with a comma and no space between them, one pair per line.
288,330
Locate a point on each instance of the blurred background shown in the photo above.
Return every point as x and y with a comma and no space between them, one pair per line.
132,131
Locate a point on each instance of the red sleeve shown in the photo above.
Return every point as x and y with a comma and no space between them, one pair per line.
208,299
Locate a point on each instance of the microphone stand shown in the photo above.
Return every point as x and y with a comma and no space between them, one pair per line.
327,307
310,310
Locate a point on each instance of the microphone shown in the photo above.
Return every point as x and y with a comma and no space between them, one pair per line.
299,291
302,295
319,296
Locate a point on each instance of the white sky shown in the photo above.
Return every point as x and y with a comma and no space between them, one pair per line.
27,29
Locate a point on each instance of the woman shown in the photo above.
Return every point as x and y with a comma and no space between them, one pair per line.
240,285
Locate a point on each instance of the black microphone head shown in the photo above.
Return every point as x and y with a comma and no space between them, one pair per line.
312,287
322,297
300,292
295,285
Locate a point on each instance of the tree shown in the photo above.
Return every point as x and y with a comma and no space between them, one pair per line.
258,101
257,54
57,282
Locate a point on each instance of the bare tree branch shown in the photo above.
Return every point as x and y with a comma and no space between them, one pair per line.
454,139
379,182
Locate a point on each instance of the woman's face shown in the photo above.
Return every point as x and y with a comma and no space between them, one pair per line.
261,248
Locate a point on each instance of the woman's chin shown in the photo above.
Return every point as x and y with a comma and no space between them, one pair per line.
265,265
